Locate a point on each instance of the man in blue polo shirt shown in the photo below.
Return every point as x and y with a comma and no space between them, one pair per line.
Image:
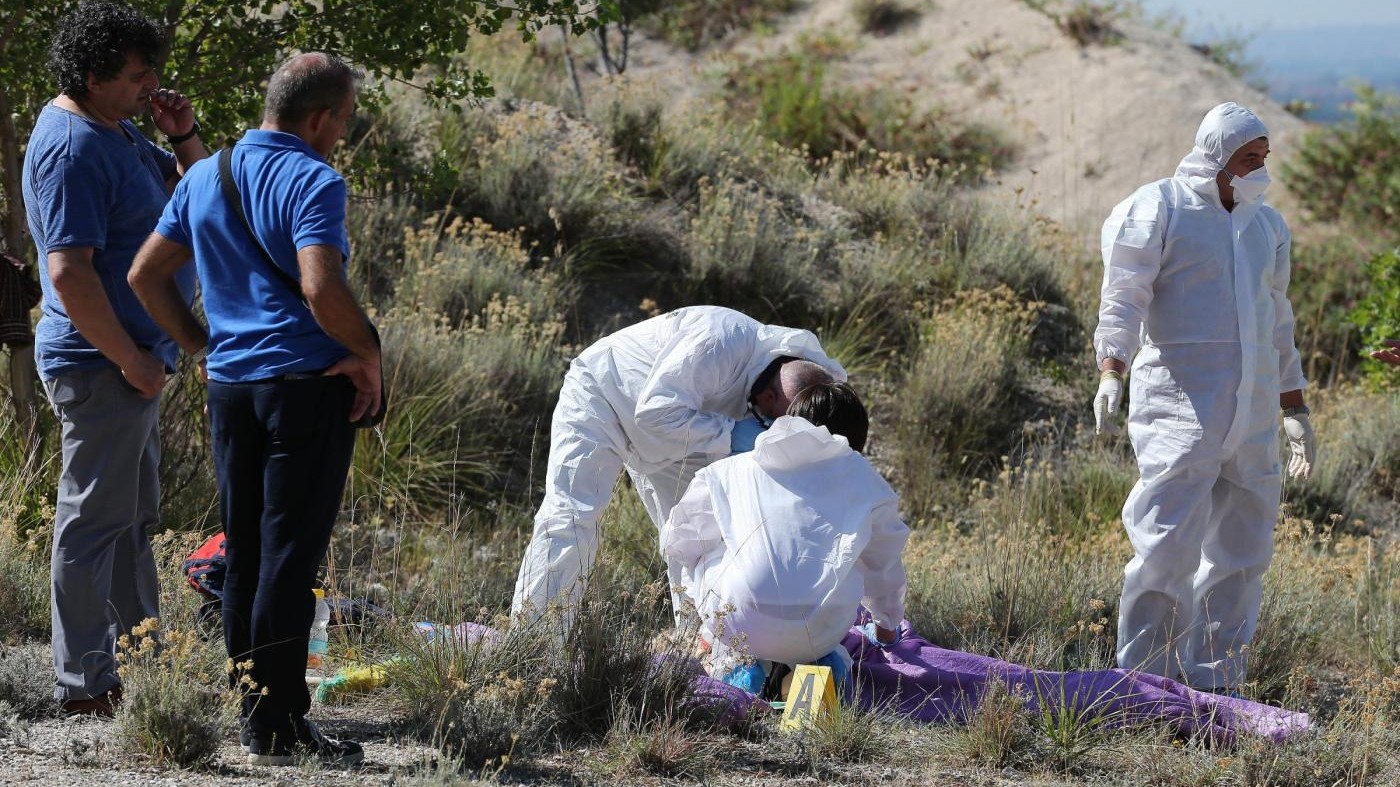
93,188
292,364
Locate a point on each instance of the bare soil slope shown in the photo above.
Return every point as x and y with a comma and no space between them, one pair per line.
1091,123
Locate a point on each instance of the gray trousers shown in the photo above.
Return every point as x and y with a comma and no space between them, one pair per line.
104,574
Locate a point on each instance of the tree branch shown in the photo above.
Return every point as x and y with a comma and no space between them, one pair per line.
10,27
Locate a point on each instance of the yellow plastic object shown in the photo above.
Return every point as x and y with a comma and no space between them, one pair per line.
355,679
812,696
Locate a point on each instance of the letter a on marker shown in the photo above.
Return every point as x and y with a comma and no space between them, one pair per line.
811,695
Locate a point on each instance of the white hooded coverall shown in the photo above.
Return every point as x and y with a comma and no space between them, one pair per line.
777,548
659,399
1197,297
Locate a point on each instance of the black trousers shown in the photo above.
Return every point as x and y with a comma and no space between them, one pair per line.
282,449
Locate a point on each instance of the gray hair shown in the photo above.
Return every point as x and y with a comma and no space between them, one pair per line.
306,84
799,375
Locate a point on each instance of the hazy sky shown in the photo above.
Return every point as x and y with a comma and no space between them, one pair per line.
1255,15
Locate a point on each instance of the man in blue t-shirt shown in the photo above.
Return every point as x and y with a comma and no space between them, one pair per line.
292,363
94,186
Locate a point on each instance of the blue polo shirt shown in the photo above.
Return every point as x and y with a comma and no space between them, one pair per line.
258,326
87,185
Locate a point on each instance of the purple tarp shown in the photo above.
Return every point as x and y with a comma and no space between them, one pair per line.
927,683
920,680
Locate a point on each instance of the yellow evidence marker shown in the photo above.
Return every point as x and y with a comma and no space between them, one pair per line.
811,696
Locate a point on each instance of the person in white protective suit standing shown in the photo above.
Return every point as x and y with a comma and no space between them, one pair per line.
779,547
661,399
1195,294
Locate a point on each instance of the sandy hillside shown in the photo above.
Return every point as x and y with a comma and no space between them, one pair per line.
1091,123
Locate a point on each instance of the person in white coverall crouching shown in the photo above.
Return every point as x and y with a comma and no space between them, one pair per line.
661,399
1195,294
779,547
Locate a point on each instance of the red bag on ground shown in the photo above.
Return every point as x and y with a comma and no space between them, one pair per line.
205,567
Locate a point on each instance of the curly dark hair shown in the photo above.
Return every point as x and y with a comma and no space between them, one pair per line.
96,39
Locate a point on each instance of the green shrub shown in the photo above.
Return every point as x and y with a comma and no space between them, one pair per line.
988,248
794,104
1350,171
851,735
531,167
1297,624
746,252
998,734
883,17
465,402
488,699
478,702
1073,488
665,747
1013,590
957,412
1328,282
1377,616
1090,23
632,121
532,70
187,484
28,475
1378,313
170,712
1230,52
706,143
26,682
901,201
27,480
1357,472
377,230
1358,745
697,23
454,268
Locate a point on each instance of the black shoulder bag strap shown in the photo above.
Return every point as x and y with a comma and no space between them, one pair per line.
235,204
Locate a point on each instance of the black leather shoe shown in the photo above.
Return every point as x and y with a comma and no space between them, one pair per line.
306,743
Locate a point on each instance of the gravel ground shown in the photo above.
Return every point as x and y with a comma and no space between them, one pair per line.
81,753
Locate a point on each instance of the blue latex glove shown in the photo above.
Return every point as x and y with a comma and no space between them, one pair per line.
744,434
749,677
870,636
840,673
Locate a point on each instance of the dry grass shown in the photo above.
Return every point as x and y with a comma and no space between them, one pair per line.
965,325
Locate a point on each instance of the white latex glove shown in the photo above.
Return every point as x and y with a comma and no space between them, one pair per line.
1303,445
1106,403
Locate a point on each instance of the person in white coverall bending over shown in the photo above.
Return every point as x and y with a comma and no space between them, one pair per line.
779,547
661,399
1195,295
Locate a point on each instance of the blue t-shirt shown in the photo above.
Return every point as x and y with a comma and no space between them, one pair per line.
258,326
87,185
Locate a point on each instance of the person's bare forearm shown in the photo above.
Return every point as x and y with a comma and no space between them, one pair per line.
187,153
166,305
80,291
339,316
1289,399
332,303
152,278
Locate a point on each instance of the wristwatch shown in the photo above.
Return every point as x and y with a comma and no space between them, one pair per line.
1302,409
177,139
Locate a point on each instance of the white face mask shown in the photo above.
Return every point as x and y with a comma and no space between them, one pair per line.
1252,186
